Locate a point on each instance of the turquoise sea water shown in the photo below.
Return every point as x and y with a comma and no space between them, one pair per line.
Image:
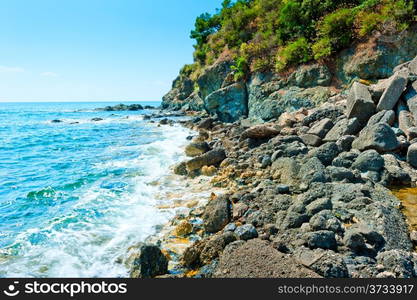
75,195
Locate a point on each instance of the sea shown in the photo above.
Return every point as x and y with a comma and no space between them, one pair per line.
76,194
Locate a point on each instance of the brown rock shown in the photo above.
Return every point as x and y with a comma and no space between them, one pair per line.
260,132
210,158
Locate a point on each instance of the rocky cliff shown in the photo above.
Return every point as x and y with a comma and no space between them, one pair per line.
264,96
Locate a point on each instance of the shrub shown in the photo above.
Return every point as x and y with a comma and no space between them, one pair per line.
295,52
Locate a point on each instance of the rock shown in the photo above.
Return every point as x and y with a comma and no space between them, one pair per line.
412,155
149,263
321,239
332,113
321,128
397,262
208,171
379,137
206,124
413,237
385,116
183,229
313,171
286,170
214,77
230,227
239,209
258,259
405,122
369,160
342,128
214,246
326,263
181,169
394,175
391,95
246,232
196,149
325,220
96,119
325,153
354,241
260,132
340,174
210,158
307,76
311,140
360,104
345,142
410,97
282,189
56,121
317,206
216,214
228,103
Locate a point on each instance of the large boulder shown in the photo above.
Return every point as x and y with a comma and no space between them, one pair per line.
149,262
384,116
321,128
217,214
308,76
395,88
210,158
229,103
411,98
359,103
379,137
369,160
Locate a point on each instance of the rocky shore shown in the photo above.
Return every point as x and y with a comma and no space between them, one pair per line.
307,194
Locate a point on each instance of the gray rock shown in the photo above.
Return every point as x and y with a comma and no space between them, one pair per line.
379,137
412,155
340,174
397,262
360,104
228,103
311,140
282,189
318,205
354,241
332,113
369,160
321,128
214,78
395,88
217,214
385,116
246,232
393,174
410,98
313,171
230,227
310,76
342,128
345,142
325,153
149,262
325,220
260,132
321,239
181,169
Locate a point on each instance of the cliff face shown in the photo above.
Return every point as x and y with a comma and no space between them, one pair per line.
265,96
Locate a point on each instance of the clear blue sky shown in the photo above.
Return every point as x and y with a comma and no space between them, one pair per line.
94,50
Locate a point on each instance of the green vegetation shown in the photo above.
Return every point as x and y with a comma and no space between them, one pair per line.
277,34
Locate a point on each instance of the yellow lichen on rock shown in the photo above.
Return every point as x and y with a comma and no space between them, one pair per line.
183,228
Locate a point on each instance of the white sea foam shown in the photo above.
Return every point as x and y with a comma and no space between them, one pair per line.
89,240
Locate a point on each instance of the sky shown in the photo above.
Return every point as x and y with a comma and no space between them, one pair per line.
94,50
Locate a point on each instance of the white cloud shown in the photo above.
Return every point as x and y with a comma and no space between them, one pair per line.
49,74
5,69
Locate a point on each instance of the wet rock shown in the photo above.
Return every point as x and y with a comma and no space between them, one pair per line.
258,259
321,128
394,174
56,121
149,262
246,232
96,119
369,160
210,158
379,137
183,229
342,128
181,169
321,239
395,87
260,132
360,104
196,149
216,214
